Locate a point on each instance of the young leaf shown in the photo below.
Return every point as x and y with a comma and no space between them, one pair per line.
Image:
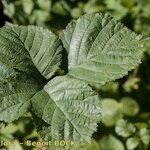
70,107
129,106
145,136
27,47
100,49
132,143
9,8
124,129
111,112
109,142
28,6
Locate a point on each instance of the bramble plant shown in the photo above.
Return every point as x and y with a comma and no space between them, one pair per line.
56,78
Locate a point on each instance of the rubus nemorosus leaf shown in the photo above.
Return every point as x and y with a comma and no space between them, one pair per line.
15,97
27,47
70,106
100,49
23,50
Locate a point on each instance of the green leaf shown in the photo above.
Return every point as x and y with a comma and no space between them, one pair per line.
76,12
132,143
117,9
131,84
109,142
39,17
6,73
145,136
61,8
10,129
124,129
70,107
2,125
92,146
26,48
15,97
93,6
141,125
28,6
100,49
15,146
111,112
129,106
45,4
9,8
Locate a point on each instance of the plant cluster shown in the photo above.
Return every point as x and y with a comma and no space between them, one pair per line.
67,86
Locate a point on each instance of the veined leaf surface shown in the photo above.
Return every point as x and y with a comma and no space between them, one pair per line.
27,47
100,49
23,50
15,97
70,107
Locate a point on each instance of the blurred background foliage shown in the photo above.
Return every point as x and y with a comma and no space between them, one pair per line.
56,14
125,122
